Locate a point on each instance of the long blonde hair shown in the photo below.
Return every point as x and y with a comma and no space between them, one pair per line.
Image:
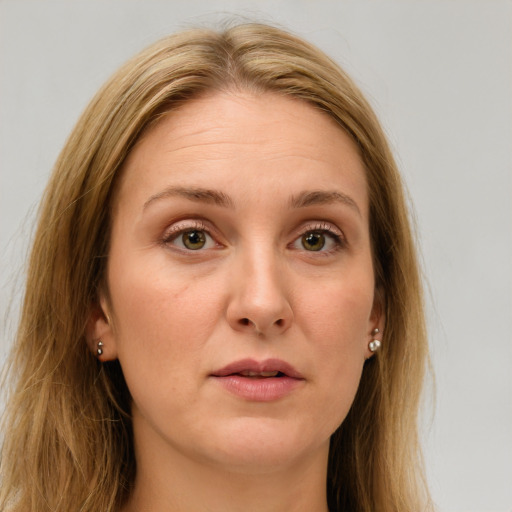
68,441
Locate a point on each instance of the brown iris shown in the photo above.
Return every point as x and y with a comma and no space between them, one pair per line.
193,240
313,241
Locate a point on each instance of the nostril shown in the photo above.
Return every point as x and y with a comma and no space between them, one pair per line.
247,322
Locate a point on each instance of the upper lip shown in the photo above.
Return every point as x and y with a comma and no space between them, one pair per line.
268,365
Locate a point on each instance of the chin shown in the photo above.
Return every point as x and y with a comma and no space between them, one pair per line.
256,445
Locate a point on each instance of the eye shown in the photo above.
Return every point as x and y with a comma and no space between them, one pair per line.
194,239
322,238
189,238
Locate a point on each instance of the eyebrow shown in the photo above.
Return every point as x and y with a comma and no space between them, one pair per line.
319,197
209,196
201,195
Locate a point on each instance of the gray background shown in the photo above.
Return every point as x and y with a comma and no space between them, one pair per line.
439,74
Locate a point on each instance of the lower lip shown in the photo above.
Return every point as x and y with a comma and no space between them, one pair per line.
265,389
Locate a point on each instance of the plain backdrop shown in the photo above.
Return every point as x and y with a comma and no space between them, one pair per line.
438,73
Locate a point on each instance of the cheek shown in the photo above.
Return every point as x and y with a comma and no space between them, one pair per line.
338,327
162,319
338,315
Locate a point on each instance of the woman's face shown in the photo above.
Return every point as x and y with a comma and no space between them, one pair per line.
241,281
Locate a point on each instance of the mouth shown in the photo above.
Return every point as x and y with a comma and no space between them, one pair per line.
259,375
259,381
249,368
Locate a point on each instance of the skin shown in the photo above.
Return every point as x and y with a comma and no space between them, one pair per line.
254,290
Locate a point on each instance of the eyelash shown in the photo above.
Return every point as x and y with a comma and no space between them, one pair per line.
322,228
180,228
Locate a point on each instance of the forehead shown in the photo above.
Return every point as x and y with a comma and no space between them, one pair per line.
242,140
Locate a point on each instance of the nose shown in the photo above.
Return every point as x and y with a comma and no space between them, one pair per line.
259,301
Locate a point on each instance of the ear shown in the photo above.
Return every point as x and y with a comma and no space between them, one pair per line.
100,329
377,321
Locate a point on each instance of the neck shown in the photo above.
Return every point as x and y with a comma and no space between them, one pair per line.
170,481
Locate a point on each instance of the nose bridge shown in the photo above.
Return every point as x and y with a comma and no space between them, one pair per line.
262,277
259,300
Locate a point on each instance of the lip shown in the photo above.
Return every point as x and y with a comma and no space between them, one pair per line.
268,365
265,389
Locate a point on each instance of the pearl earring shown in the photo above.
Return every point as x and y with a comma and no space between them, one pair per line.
374,345
99,350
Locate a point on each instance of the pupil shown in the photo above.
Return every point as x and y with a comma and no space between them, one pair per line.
194,240
313,241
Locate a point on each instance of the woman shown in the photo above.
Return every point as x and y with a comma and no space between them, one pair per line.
223,306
